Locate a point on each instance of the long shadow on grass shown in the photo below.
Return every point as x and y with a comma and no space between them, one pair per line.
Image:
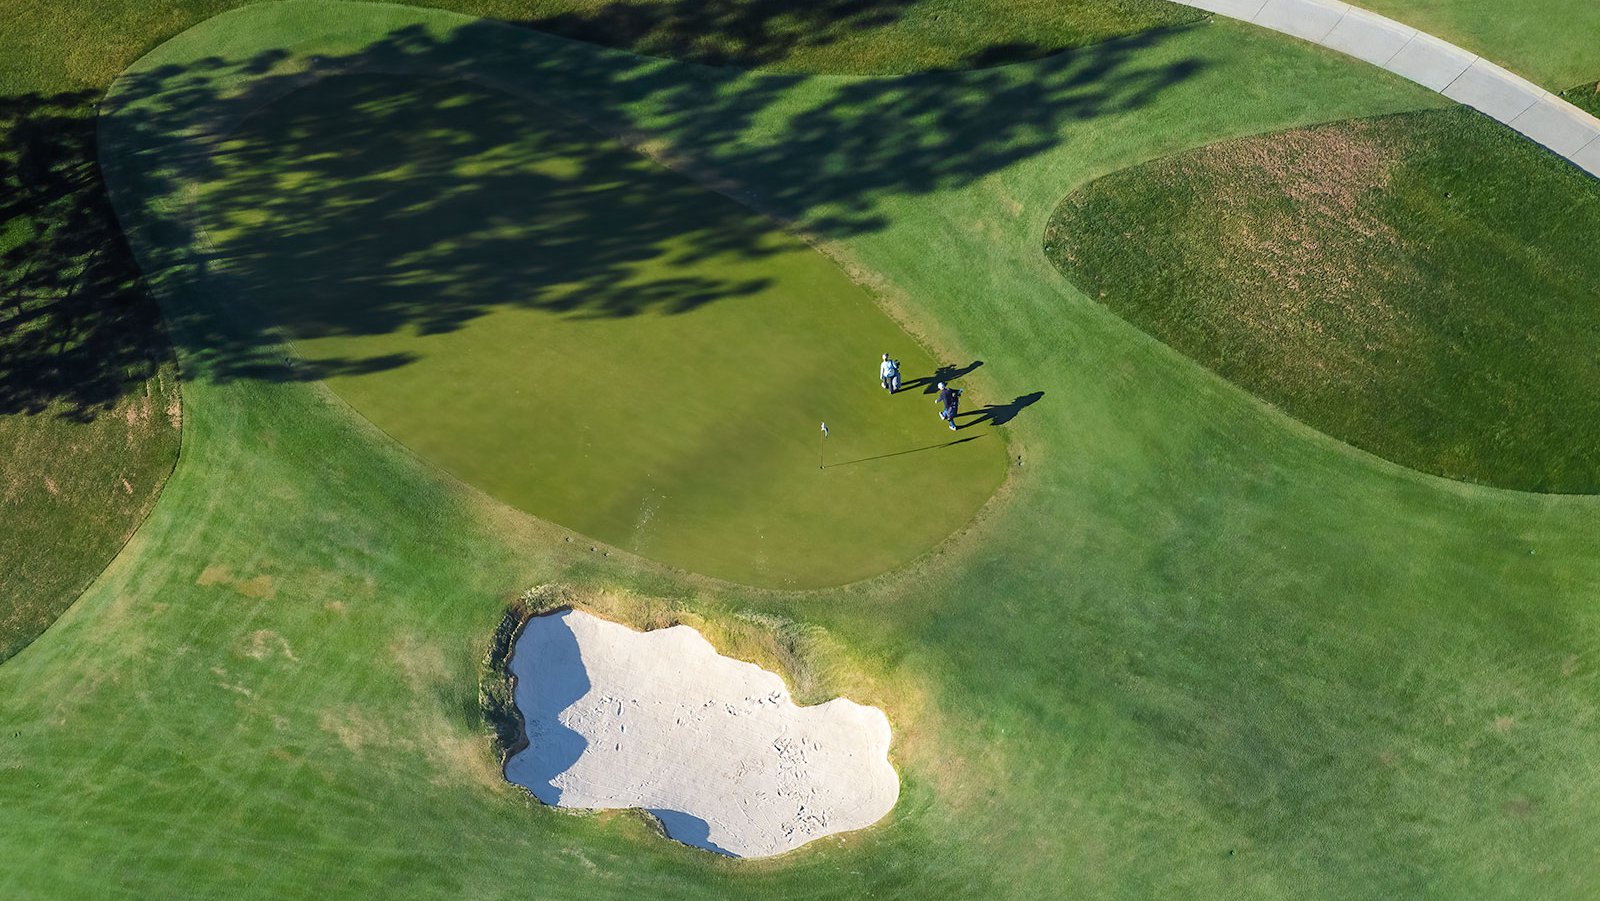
915,450
1000,414
387,212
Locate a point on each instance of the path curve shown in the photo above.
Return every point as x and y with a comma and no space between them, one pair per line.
1435,64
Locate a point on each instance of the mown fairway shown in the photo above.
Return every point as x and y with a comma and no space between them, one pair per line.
1198,650
590,337
1423,286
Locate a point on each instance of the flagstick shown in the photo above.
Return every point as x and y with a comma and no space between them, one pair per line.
822,442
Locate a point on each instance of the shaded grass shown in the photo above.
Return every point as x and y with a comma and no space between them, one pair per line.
88,394
1422,286
586,335
1585,97
85,43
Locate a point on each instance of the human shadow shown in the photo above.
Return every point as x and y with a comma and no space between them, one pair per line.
914,450
930,383
999,414
550,677
689,829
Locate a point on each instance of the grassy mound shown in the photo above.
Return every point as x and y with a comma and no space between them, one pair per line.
1422,286
589,336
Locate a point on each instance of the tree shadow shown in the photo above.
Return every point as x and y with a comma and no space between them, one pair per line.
366,222
999,414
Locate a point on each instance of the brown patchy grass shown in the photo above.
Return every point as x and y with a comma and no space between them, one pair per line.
1418,285
72,491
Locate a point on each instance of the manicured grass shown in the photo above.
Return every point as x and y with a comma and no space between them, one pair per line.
1193,627
59,245
590,337
57,57
1422,286
1200,650
1551,42
85,43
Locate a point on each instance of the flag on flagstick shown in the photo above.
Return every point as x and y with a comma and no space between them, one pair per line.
824,430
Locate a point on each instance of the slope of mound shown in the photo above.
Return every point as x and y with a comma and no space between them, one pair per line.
1423,286
588,336
713,747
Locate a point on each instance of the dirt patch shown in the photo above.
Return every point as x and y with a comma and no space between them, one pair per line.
264,643
217,575
421,663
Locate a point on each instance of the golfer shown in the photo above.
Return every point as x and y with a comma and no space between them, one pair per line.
949,400
889,374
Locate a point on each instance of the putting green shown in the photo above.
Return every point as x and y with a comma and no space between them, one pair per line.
589,336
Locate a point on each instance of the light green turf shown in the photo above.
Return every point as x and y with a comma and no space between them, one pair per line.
590,337
1553,42
1194,627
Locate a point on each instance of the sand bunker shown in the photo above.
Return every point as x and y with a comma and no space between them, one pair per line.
714,747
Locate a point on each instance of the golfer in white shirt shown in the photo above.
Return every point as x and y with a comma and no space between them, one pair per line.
889,374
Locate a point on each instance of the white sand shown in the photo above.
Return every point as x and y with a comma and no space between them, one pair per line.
714,747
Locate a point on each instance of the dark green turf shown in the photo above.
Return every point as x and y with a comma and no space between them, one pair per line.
1422,286
88,387
591,337
1585,97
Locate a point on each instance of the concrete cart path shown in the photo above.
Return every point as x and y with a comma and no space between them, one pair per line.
1435,64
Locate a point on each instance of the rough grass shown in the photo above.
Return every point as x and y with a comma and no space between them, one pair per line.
1585,97
89,403
1422,286
72,494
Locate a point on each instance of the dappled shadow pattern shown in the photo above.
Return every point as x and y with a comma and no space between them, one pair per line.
403,204
864,37
77,328
820,153
723,32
